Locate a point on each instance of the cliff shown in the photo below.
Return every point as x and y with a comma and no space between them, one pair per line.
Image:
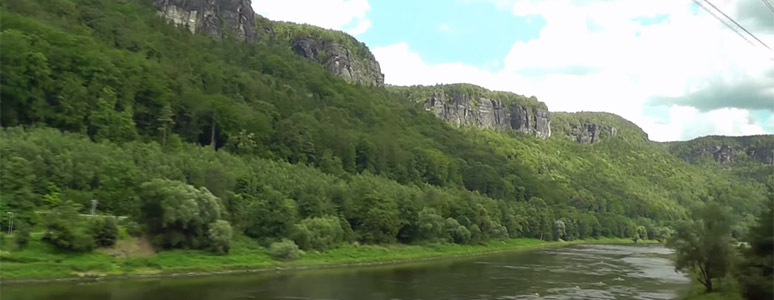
339,60
726,150
469,105
338,52
593,127
215,18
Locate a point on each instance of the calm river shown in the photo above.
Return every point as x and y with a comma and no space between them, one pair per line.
573,272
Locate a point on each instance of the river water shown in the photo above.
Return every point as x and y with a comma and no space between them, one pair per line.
573,272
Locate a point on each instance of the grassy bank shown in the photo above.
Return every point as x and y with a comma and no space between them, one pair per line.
726,289
40,262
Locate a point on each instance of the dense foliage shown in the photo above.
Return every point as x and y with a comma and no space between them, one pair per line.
704,246
756,269
747,157
198,140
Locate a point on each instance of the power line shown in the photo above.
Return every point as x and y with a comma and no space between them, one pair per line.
724,22
771,7
740,26
732,27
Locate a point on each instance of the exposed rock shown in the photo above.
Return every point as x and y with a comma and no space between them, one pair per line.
339,60
762,154
723,154
464,110
588,133
215,18
727,154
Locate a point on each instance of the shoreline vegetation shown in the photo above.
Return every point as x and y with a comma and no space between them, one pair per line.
246,257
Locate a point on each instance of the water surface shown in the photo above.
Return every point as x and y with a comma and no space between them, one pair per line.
573,272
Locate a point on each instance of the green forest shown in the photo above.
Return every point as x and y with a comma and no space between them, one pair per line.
195,143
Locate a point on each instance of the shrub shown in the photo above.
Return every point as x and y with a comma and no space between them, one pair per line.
220,235
21,236
133,229
455,232
318,233
65,231
285,250
66,236
105,231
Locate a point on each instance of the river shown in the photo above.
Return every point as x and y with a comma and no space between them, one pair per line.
573,272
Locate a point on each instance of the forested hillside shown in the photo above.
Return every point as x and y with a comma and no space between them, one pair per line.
106,100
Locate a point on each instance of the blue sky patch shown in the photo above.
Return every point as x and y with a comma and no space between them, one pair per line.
473,33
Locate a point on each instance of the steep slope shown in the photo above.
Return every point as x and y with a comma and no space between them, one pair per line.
276,139
338,52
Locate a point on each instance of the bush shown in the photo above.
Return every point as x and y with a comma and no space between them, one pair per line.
220,235
65,231
21,236
318,233
105,231
455,232
133,229
66,236
285,250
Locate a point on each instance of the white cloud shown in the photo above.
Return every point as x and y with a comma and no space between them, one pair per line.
347,15
361,27
724,121
614,69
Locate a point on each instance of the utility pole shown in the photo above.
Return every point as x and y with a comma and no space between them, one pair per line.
94,206
10,222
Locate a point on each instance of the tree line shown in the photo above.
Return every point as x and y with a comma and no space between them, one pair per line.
196,140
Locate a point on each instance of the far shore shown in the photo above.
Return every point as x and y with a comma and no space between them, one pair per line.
191,263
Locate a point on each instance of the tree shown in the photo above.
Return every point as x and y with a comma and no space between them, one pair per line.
285,250
559,229
109,124
16,187
220,235
318,233
640,234
66,231
21,235
703,247
455,232
756,270
431,225
177,214
105,231
663,233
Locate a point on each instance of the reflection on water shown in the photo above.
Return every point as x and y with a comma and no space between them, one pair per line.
574,272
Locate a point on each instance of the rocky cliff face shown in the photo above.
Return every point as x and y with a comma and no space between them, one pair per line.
588,127
359,68
728,154
727,150
215,18
589,133
465,110
761,154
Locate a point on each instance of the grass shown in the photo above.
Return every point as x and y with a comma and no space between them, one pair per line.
727,289
40,261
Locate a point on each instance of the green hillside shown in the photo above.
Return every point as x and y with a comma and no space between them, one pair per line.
105,100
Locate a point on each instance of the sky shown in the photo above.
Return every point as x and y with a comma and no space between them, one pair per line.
667,65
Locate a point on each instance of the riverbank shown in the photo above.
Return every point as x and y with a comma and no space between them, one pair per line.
38,263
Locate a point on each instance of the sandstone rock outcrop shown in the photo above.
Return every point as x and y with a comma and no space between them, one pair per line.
215,18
